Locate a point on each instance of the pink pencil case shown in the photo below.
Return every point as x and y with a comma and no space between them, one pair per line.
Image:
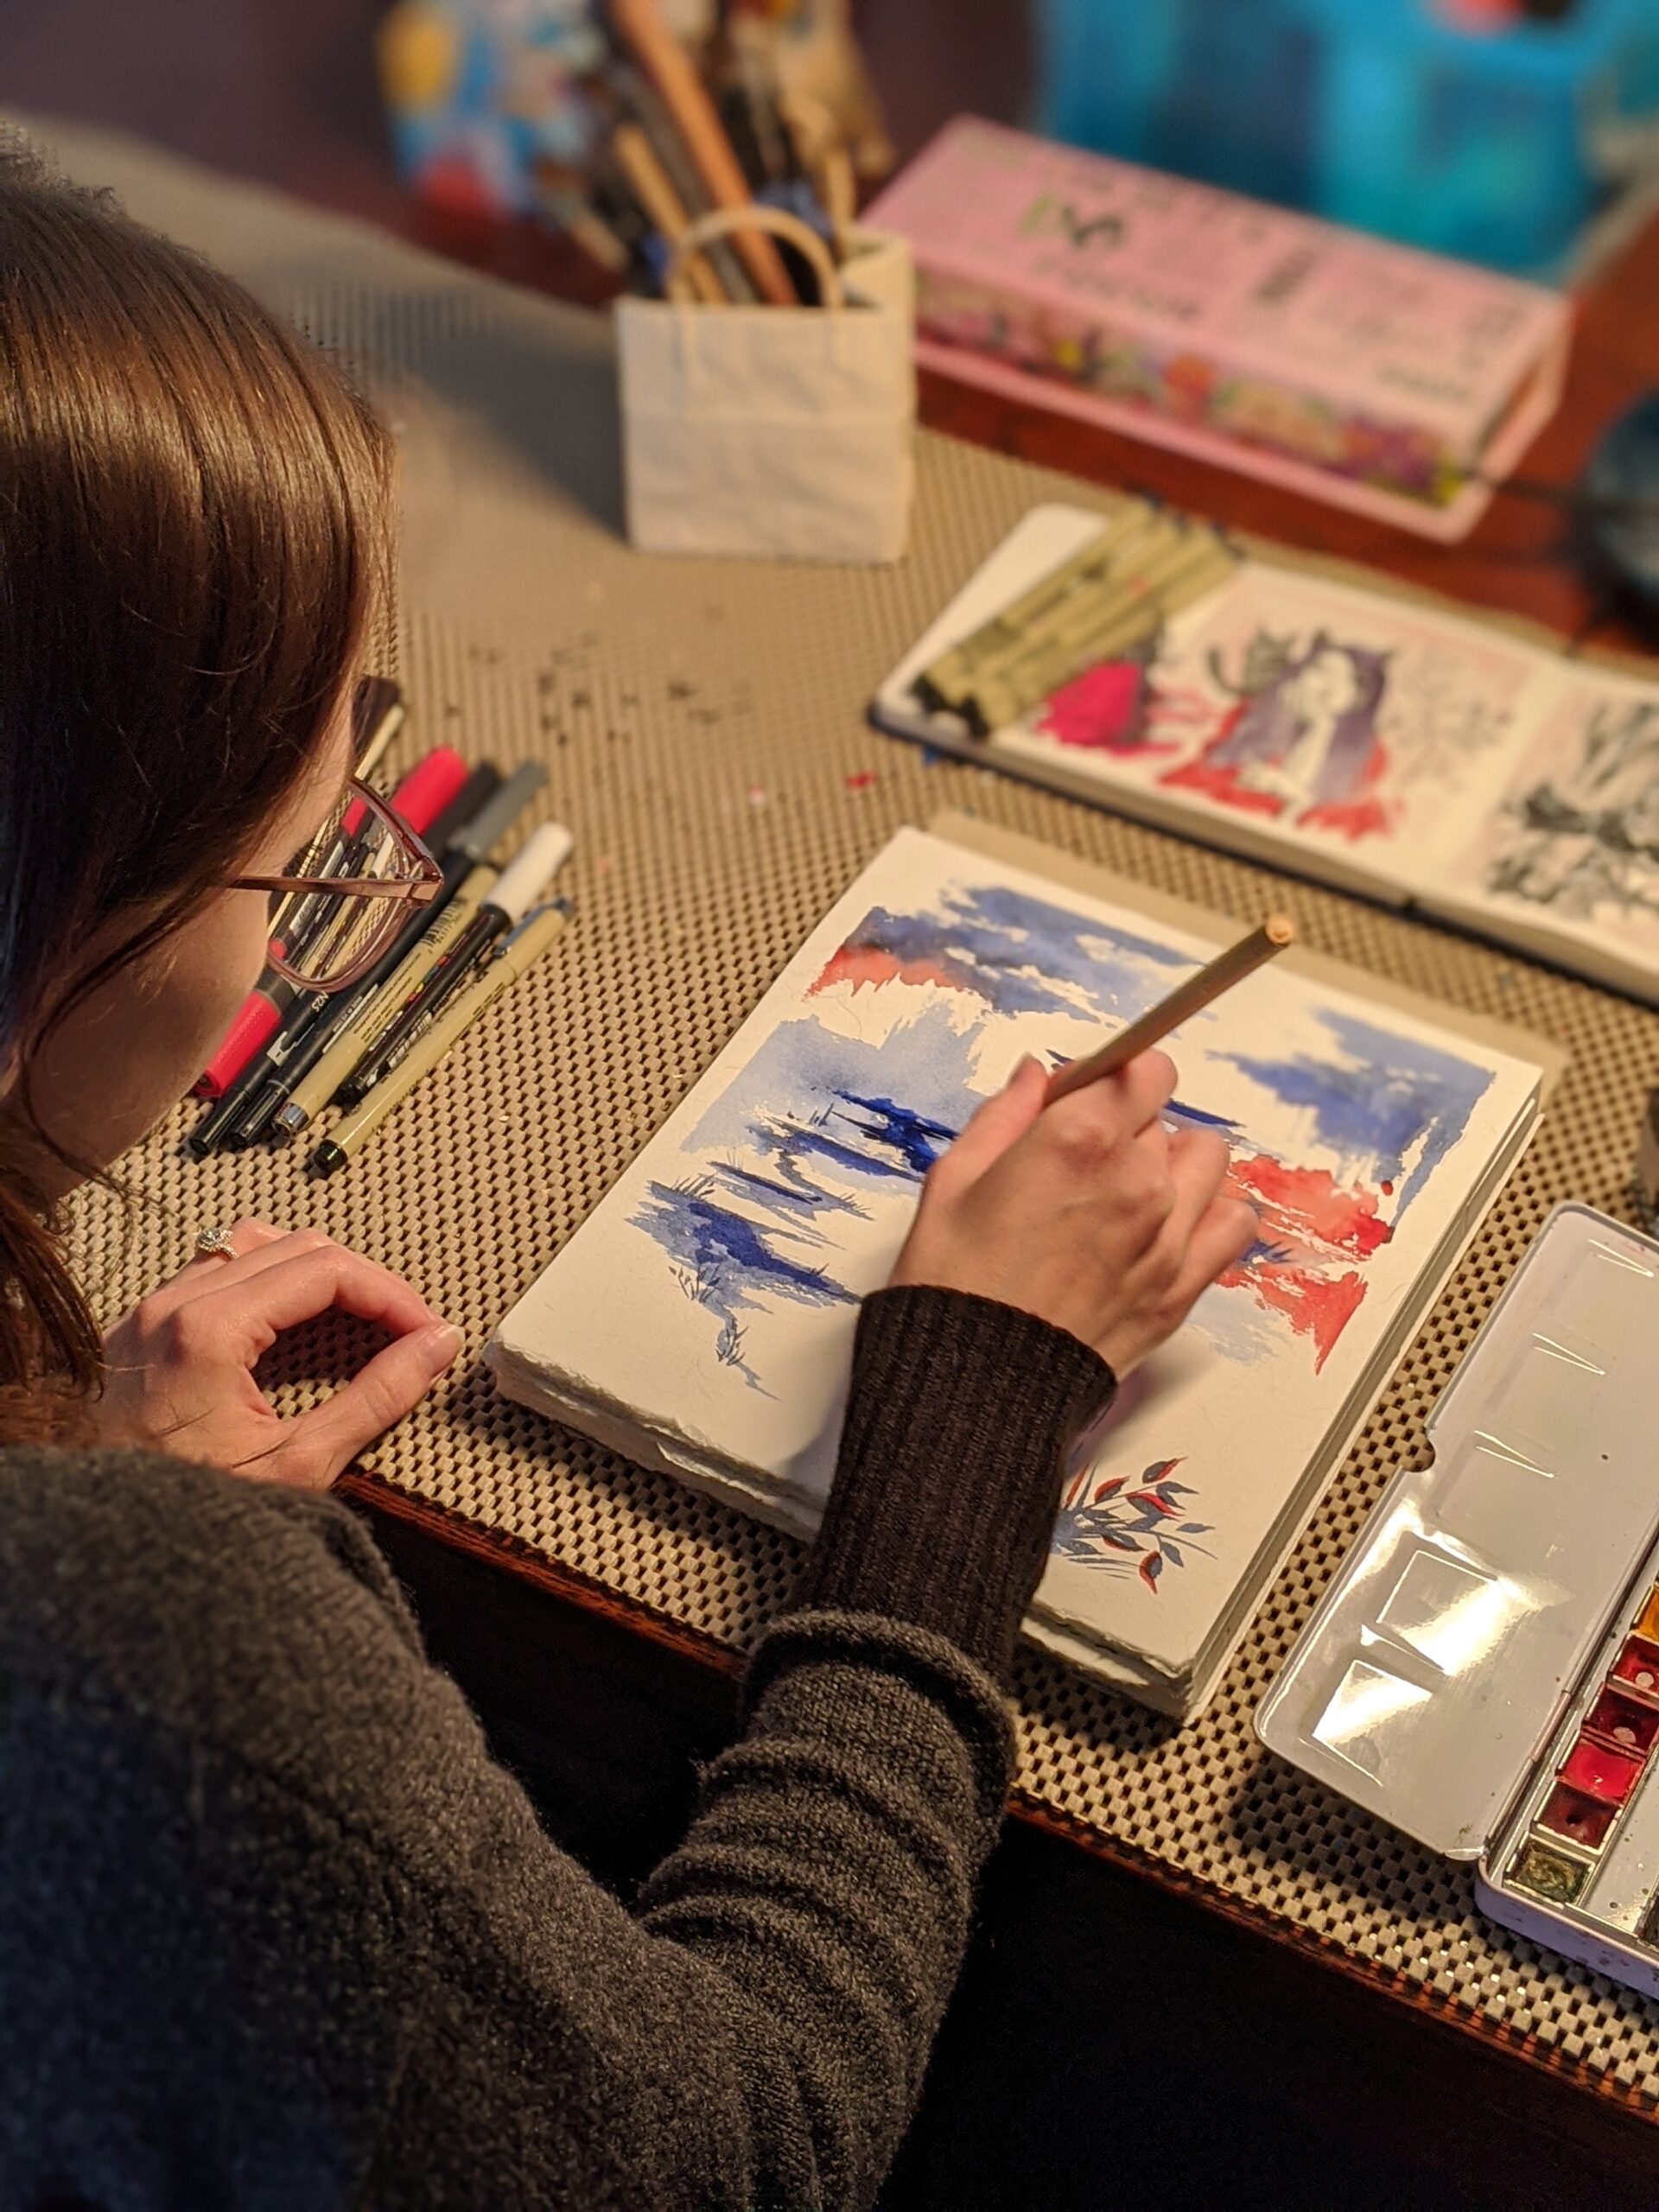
1357,372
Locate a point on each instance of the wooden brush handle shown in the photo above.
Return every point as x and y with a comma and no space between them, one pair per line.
1187,999
668,66
653,188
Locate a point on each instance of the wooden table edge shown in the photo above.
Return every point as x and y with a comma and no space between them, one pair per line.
511,1556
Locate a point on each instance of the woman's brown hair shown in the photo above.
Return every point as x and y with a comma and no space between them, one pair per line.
193,541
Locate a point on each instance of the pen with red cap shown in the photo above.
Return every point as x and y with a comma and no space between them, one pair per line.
267,1113
377,714
272,995
266,1004
265,1031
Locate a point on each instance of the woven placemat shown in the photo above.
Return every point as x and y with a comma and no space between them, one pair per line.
704,725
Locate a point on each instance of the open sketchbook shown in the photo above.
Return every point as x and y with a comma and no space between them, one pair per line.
1358,737
701,1319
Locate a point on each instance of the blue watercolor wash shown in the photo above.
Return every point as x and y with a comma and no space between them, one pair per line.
818,1125
822,1117
795,1199
1012,951
717,1244
730,1263
914,1140
804,1075
1394,1094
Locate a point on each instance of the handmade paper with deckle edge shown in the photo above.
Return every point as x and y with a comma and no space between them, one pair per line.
706,1309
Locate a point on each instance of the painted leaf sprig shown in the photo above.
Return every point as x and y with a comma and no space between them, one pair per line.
1118,1522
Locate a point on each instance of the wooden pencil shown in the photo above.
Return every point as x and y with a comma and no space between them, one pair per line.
634,93
1183,1001
670,69
653,187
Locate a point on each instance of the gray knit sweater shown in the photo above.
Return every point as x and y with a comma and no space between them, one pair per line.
277,1933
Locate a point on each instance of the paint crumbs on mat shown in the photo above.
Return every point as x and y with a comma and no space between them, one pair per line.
758,795
931,756
603,864
862,780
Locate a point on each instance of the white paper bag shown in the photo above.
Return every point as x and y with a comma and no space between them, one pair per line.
769,431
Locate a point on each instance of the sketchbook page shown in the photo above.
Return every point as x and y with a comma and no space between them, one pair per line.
1363,732
1568,859
711,1298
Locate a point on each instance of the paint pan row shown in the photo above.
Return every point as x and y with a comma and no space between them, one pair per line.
1588,1845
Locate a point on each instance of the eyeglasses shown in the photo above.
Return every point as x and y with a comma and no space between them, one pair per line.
349,895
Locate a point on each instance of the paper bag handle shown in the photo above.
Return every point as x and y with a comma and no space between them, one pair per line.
723,222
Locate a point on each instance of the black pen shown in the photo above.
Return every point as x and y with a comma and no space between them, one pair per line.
416,799
461,853
519,887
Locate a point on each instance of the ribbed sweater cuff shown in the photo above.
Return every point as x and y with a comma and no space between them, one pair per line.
958,1419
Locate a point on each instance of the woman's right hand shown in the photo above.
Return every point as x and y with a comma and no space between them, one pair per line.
1087,1213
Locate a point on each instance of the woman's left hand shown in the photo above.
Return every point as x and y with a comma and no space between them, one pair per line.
179,1369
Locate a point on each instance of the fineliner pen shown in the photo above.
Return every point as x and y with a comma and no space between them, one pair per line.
418,799
301,1071
474,795
521,950
376,717
267,1003
430,787
374,1009
521,885
492,823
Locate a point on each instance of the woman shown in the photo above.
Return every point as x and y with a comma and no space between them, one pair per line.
274,1931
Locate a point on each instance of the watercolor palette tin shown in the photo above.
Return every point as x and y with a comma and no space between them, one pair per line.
1484,1671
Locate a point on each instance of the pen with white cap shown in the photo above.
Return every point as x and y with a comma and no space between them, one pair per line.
519,886
356,1024
518,952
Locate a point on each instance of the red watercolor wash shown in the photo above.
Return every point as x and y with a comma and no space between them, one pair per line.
1313,1226
1619,1719
1310,1200
859,964
1316,1305
1099,710
1362,818
1638,1665
1224,784
1600,1771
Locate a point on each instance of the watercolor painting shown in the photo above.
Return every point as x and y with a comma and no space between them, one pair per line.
1318,709
701,1319
832,1125
1578,835
1303,736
